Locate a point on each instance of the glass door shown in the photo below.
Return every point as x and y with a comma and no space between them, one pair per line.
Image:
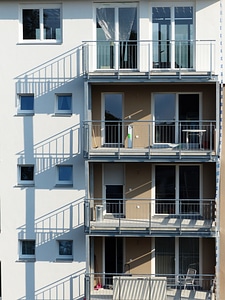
113,111
184,37
165,115
172,35
116,37
113,259
165,189
114,200
189,190
161,23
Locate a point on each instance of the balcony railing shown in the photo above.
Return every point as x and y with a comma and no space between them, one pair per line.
147,56
154,216
149,138
149,287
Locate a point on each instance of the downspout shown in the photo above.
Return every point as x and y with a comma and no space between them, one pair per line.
218,163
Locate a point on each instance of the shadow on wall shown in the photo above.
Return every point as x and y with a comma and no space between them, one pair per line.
56,223
67,288
54,150
51,74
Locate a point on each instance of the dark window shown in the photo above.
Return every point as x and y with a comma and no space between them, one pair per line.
28,247
27,173
65,247
31,24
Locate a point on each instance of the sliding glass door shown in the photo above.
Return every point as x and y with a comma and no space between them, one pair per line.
177,190
172,37
116,37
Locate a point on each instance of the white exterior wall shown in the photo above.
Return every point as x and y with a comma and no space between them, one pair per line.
43,212
46,213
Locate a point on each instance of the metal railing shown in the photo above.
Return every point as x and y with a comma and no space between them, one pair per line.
126,286
149,135
138,215
148,55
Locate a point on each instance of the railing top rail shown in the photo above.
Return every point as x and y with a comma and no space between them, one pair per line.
147,41
147,199
151,274
151,121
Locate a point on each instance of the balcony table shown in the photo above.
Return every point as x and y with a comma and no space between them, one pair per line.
199,132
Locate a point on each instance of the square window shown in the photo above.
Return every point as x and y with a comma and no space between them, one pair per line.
41,22
27,249
65,174
26,174
65,248
64,104
26,103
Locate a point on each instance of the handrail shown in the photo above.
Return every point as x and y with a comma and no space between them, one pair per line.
130,134
143,55
194,215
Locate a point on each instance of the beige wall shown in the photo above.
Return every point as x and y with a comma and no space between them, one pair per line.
138,255
137,106
138,186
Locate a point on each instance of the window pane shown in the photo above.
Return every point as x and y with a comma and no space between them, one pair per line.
161,18
28,247
27,173
189,182
164,255
27,102
65,173
184,36
65,247
64,102
188,254
31,27
52,24
164,117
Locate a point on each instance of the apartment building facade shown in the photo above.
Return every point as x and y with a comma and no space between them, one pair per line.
114,143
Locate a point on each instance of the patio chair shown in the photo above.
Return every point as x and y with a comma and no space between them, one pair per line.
189,278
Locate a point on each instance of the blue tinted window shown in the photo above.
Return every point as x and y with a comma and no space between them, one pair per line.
27,102
65,173
64,102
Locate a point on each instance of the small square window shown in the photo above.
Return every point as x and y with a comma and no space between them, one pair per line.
27,249
65,248
26,104
64,104
65,174
26,174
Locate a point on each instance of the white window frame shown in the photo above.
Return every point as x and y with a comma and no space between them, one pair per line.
65,256
172,6
21,111
116,7
25,182
40,7
63,111
26,256
64,182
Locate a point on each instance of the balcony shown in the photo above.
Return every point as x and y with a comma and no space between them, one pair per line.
144,287
187,217
149,139
149,58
